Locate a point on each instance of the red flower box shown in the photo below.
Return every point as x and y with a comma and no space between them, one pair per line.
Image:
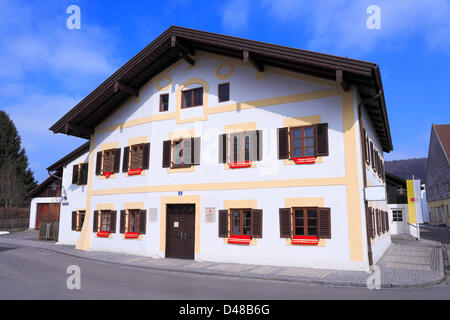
240,239
103,234
131,235
240,164
107,174
305,240
304,160
134,172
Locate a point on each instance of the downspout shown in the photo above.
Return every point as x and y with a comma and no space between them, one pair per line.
366,203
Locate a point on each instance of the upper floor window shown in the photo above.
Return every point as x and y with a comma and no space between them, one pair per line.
136,158
298,143
182,153
240,147
80,174
192,98
224,92
164,102
108,162
305,221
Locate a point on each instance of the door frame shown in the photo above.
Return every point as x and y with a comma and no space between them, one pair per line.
188,255
195,199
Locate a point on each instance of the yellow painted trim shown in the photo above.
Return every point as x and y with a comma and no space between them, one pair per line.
225,76
302,121
108,146
178,92
137,140
240,127
163,77
176,135
261,75
181,170
84,239
263,184
304,202
355,232
133,205
174,200
104,206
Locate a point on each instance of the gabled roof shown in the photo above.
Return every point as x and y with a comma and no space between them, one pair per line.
69,157
443,135
180,43
41,187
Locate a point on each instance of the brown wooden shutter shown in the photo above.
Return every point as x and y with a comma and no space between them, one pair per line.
98,166
123,219
285,223
223,223
364,144
83,173
95,222
372,155
256,223
378,222
117,160
283,143
146,157
374,226
223,148
112,226
195,151
75,170
167,150
387,221
324,223
368,222
74,220
259,146
142,221
322,140
126,159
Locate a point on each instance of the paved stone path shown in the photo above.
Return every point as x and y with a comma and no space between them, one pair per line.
406,263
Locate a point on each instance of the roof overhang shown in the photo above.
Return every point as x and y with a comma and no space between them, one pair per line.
181,43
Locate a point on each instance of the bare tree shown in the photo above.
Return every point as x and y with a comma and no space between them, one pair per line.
11,185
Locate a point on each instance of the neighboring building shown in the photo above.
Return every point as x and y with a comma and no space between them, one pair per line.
438,175
398,204
210,147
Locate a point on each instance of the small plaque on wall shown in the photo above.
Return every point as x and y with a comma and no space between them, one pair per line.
153,214
210,215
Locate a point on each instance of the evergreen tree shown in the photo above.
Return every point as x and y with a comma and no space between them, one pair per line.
16,178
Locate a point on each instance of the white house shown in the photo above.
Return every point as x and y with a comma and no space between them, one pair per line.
215,148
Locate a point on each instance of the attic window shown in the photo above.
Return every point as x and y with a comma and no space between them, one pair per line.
192,98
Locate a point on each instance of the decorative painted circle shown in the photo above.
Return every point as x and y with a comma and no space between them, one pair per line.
224,70
163,82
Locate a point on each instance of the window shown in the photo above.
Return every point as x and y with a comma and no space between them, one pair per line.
240,146
305,221
164,102
241,222
137,156
133,221
181,153
108,161
79,174
224,92
303,142
78,220
105,220
239,149
192,98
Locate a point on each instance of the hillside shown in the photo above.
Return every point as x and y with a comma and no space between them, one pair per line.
406,168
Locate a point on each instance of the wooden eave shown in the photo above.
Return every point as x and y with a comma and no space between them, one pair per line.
179,43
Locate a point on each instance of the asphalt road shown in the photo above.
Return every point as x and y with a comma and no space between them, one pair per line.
441,234
30,273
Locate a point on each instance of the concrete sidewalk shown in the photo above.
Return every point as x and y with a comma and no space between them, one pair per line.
407,263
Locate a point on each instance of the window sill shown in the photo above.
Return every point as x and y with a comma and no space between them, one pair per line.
135,172
305,240
240,164
103,234
304,160
131,235
240,239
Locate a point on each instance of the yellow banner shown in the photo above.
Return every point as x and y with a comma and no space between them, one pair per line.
411,201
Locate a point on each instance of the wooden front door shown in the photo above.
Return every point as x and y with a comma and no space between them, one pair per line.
180,231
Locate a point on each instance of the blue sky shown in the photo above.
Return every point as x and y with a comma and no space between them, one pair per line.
46,68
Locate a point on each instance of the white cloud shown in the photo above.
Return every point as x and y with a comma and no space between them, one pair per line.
341,25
